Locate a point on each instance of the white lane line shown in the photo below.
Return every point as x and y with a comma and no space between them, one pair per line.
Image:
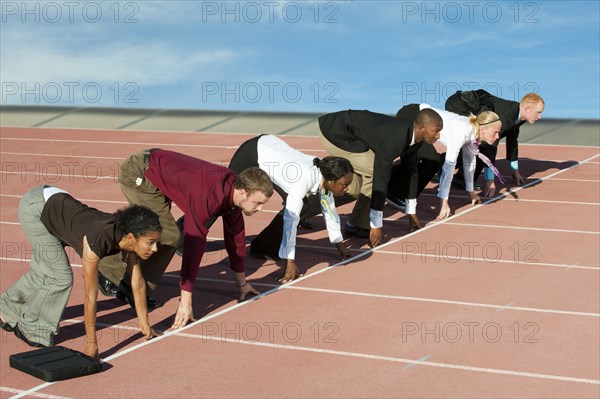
555,145
553,201
34,394
250,135
472,259
276,287
35,154
468,258
355,257
368,356
416,362
578,180
408,362
79,199
495,226
162,132
146,144
445,301
504,307
523,200
68,175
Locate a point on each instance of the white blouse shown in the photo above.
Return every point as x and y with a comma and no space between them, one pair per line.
296,174
456,135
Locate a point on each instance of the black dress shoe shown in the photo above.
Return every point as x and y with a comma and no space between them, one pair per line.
107,287
23,338
356,231
6,327
397,203
305,224
459,182
264,255
125,294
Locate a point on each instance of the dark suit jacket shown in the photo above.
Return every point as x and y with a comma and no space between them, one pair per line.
507,110
386,136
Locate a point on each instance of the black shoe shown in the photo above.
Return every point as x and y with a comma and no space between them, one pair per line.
478,186
23,338
459,182
125,294
356,231
397,203
6,327
107,287
264,255
305,224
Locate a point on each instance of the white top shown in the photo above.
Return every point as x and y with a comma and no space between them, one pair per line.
296,174
49,191
456,135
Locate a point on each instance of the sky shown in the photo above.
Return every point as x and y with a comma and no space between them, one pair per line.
299,56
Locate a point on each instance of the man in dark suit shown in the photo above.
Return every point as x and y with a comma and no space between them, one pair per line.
371,142
429,162
512,115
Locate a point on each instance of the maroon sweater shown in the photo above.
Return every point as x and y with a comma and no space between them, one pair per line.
201,190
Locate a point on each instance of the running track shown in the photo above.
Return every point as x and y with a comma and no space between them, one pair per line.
500,300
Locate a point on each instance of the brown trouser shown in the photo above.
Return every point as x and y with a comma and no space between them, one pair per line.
361,187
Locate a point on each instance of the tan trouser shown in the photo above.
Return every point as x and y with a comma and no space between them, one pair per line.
146,194
361,187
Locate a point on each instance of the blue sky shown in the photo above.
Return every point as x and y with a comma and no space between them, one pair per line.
299,56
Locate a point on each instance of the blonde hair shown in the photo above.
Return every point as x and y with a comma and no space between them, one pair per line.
532,98
484,118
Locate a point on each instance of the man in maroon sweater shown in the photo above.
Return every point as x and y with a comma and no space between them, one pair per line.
203,191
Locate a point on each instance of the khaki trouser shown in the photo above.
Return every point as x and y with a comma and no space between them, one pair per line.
362,182
140,191
37,300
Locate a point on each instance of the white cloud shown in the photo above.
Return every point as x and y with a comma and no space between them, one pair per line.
61,54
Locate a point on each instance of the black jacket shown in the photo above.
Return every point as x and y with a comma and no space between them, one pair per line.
387,136
478,101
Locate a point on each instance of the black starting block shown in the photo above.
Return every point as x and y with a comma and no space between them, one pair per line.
55,363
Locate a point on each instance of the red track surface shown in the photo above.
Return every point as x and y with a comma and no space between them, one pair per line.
501,300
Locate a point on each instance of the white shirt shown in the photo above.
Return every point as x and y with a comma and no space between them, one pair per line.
456,135
49,191
296,174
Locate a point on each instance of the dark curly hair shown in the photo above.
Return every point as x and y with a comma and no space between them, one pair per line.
333,168
138,220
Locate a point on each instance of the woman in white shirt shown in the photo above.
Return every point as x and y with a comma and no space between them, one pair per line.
459,134
295,176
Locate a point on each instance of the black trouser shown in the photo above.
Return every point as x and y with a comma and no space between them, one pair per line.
269,239
430,162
